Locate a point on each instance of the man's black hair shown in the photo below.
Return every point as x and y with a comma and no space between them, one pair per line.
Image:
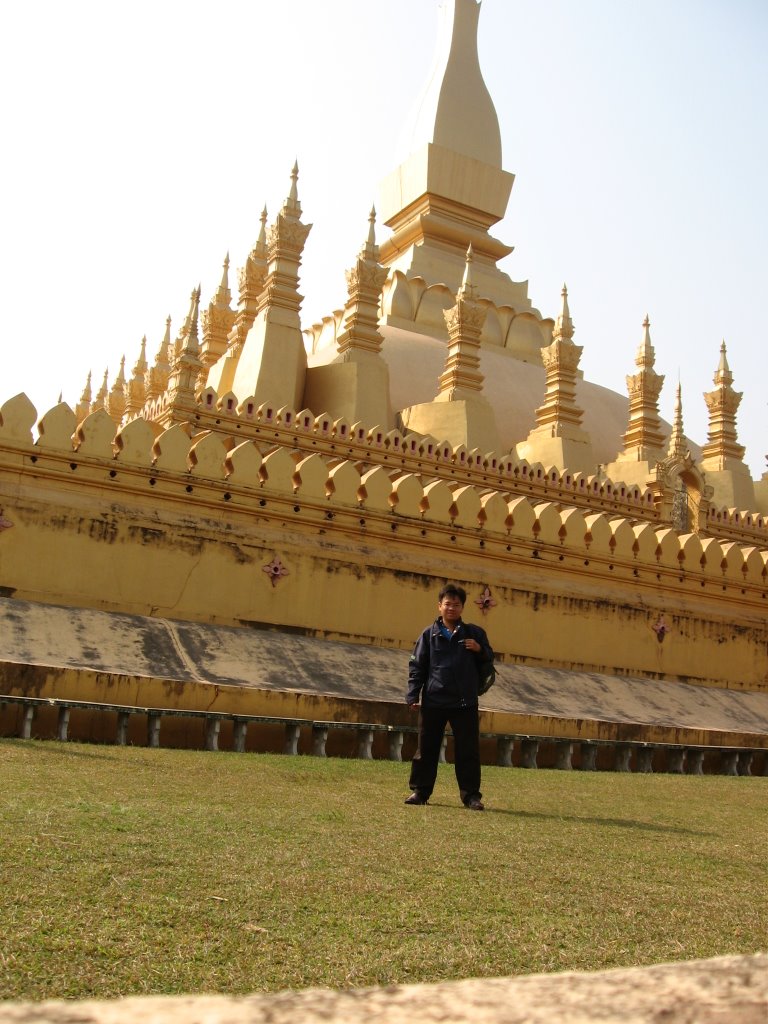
451,590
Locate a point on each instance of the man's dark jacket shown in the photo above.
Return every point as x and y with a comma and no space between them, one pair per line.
442,673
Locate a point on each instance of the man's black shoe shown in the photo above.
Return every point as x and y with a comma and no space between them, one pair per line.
416,798
475,804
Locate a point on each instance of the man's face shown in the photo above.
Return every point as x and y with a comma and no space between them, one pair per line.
450,609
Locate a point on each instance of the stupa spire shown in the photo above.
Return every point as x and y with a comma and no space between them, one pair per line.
360,331
181,405
460,412
292,206
251,280
100,400
116,402
678,445
84,405
456,111
561,362
563,329
644,439
136,389
461,377
218,321
157,376
355,385
723,403
272,364
450,187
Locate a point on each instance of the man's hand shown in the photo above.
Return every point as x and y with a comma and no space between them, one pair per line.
413,707
472,645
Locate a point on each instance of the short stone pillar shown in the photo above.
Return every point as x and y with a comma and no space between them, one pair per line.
365,745
729,762
694,761
239,735
623,757
744,762
396,746
563,755
292,734
153,729
675,760
121,735
588,757
212,728
644,760
26,722
319,738
63,725
529,751
443,745
504,747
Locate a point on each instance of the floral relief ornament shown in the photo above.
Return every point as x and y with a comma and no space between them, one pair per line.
275,570
660,628
5,524
485,601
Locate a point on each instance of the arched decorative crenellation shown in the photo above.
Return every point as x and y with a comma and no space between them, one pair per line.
215,455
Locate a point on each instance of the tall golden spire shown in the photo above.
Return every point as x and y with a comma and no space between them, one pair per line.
251,280
360,332
558,438
157,375
450,188
218,320
136,391
461,377
561,362
115,404
273,362
181,404
100,400
644,439
678,445
84,405
722,403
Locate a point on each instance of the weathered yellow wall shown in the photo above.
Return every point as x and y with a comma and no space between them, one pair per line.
365,553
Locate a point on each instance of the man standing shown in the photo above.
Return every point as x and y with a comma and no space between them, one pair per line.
444,680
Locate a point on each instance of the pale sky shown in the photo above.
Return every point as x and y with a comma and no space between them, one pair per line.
140,142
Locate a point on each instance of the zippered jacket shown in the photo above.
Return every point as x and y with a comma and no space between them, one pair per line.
442,673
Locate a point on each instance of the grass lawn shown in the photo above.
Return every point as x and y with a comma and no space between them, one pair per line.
129,871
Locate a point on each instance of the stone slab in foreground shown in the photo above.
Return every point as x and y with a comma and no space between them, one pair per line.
726,990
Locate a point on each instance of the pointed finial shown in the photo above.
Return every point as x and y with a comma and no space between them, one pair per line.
563,330
262,241
87,394
369,250
467,289
194,312
723,376
224,295
292,205
121,374
646,354
61,397
140,366
677,442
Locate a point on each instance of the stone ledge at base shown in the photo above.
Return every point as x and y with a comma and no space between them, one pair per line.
725,990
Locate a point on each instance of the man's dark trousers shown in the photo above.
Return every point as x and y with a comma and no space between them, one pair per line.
464,723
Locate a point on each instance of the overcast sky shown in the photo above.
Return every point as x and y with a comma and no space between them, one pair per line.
140,142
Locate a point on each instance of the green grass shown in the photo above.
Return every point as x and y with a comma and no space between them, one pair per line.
128,870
